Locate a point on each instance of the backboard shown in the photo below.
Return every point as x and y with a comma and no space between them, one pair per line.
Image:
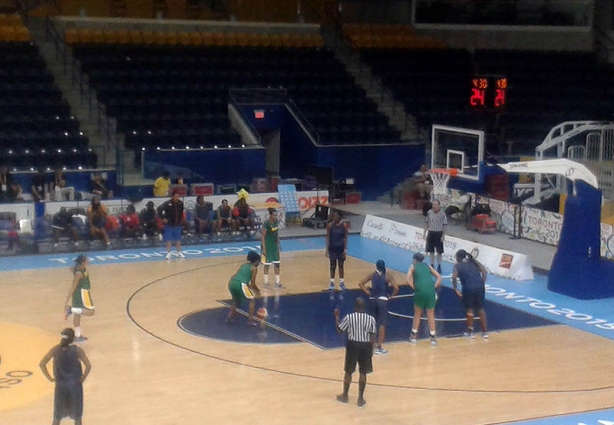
460,148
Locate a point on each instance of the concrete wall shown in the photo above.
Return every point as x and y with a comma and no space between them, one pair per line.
513,38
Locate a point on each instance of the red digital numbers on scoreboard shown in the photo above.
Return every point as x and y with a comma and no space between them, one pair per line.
500,98
478,97
488,92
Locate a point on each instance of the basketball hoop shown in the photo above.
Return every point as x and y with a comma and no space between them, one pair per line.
440,177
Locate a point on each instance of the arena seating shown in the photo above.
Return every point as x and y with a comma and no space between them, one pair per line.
387,36
171,89
546,88
432,83
36,126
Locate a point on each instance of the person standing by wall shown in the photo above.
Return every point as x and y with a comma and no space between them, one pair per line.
161,185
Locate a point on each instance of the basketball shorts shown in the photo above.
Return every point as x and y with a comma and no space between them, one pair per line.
172,233
82,298
336,254
240,291
271,257
425,300
68,399
434,242
380,312
361,353
474,299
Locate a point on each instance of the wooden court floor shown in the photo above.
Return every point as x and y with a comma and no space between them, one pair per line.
155,373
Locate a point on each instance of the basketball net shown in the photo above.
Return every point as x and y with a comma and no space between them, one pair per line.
440,178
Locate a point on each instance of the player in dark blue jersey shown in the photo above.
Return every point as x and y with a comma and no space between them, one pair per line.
336,249
379,292
68,377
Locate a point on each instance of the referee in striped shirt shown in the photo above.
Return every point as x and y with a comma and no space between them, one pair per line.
434,233
361,329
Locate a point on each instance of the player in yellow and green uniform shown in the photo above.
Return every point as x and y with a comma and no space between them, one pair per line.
81,303
271,247
242,286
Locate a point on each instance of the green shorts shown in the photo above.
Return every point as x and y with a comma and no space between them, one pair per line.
82,298
240,291
425,300
272,256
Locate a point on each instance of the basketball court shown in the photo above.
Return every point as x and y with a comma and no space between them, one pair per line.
161,352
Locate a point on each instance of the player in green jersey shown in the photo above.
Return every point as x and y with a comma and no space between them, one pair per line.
271,247
79,301
242,286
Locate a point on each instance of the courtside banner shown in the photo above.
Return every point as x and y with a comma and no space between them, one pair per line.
499,262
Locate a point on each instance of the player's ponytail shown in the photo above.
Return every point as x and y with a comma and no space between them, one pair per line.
68,335
461,255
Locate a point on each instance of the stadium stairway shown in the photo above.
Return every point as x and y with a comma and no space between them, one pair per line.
69,84
373,86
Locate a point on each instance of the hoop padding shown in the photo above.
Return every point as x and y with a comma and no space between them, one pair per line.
440,178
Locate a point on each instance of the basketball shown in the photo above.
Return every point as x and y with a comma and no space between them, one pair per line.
262,313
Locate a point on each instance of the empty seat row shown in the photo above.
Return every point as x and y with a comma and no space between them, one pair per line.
190,38
12,33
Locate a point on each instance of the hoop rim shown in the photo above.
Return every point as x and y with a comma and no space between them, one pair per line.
450,171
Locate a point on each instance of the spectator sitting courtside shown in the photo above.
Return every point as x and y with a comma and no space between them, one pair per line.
422,180
97,217
62,224
150,221
243,214
130,223
202,216
224,217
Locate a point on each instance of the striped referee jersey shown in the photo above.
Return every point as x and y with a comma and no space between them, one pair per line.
359,326
436,220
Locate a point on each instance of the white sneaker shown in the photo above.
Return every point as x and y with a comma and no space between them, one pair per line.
180,254
168,256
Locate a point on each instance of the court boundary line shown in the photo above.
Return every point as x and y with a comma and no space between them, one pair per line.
323,378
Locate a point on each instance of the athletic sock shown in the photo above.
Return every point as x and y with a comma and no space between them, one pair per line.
77,331
341,281
76,310
332,281
414,331
432,334
277,279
